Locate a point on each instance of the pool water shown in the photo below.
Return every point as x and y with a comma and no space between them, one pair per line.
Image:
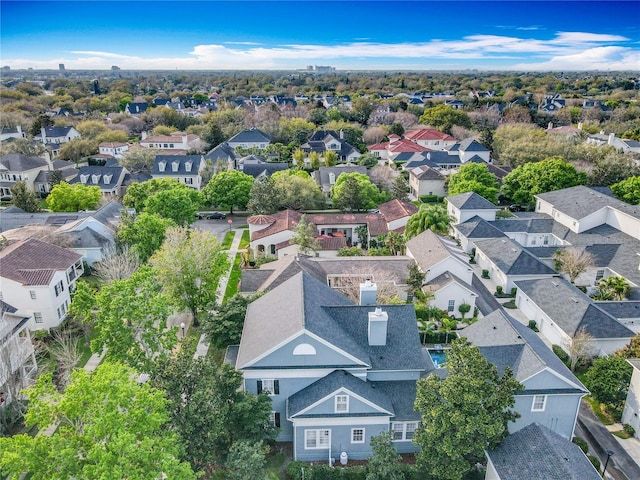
439,358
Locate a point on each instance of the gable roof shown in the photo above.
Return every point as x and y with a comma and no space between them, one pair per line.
537,453
428,249
425,172
322,175
250,136
511,258
571,309
505,342
223,152
263,168
56,131
33,262
16,162
428,134
305,304
472,145
471,201
477,227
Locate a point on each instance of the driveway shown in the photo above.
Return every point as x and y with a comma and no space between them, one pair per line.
220,227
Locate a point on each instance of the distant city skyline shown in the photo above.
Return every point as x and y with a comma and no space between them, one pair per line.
371,35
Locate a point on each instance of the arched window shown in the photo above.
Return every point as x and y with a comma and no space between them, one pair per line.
304,349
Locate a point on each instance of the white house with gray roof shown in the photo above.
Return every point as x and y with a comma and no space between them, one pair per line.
551,394
465,206
337,373
561,310
538,453
252,138
186,169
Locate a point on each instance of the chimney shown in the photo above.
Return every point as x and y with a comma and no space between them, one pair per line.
143,136
341,134
19,130
378,327
612,136
368,293
550,126
43,134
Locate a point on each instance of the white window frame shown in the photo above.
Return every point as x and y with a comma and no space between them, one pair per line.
451,306
535,403
341,404
407,431
317,439
37,317
359,432
268,390
58,288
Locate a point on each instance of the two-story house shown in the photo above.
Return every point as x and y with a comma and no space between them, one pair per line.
114,149
109,179
186,169
430,138
252,138
37,279
177,143
57,135
323,140
15,167
337,373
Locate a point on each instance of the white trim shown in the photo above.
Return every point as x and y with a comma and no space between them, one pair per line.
533,403
341,400
339,421
348,392
318,438
364,434
555,374
298,373
404,430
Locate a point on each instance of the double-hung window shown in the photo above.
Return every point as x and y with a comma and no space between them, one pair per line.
451,305
403,431
275,419
317,439
59,288
270,386
357,435
539,403
342,403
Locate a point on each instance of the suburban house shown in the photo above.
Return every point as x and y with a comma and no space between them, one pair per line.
136,108
465,206
561,310
430,138
326,177
37,278
507,262
223,153
447,272
344,274
538,453
426,180
17,356
186,169
324,140
15,166
68,169
177,143
113,149
622,144
391,150
272,234
470,150
109,179
56,135
552,103
337,373
631,412
252,138
256,166
11,132
551,394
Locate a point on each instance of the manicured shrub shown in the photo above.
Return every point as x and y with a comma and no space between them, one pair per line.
485,273
499,288
629,429
582,443
562,355
594,461
533,326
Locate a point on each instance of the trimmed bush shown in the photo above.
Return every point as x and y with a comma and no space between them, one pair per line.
428,198
582,443
499,288
533,326
514,290
594,461
485,273
562,355
629,429
438,337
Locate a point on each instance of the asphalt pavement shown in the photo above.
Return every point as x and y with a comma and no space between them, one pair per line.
220,227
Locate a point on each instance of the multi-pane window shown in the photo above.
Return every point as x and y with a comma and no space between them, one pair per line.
59,288
403,431
316,439
599,275
33,294
274,419
451,306
342,403
272,387
37,316
357,435
539,403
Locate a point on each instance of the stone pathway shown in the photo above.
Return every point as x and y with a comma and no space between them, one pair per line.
203,345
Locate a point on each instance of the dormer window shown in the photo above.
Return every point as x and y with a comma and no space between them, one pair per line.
95,178
187,166
84,178
162,166
174,166
342,403
107,179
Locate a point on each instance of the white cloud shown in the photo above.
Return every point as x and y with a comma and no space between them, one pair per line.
567,50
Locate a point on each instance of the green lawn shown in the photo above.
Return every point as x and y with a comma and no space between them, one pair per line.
244,240
234,278
228,239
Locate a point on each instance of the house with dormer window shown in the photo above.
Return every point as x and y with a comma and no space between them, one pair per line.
186,169
337,373
109,179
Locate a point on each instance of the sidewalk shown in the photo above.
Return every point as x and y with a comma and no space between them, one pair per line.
630,445
203,345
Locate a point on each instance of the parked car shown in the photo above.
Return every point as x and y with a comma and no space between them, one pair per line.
517,208
200,216
216,216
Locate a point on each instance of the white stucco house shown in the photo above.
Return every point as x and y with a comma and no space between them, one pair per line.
465,206
631,412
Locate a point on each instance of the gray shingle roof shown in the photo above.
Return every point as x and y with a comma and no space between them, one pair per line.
15,162
472,145
322,177
428,249
471,201
528,225
250,136
222,152
621,310
103,174
264,168
537,453
477,227
571,309
510,257
580,201
182,160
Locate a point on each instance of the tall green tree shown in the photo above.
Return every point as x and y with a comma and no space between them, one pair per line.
178,204
189,265
444,117
608,381
400,189
540,177
262,198
384,464
129,318
140,160
247,461
138,193
223,326
474,177
354,191
464,414
110,426
144,233
229,189
295,189
66,197
77,149
304,235
429,217
24,198
330,158
628,190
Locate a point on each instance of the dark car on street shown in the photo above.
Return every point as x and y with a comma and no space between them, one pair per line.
216,216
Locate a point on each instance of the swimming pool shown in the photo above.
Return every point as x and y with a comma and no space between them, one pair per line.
439,358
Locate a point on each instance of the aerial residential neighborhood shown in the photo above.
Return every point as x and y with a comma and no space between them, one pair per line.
383,258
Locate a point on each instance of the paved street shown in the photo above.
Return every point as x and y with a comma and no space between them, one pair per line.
220,227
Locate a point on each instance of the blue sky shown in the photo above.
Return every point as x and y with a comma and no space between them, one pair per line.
412,35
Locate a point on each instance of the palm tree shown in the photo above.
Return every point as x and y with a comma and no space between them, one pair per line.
429,217
613,288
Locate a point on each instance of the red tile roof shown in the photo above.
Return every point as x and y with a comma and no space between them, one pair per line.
33,262
404,145
395,209
261,220
427,134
